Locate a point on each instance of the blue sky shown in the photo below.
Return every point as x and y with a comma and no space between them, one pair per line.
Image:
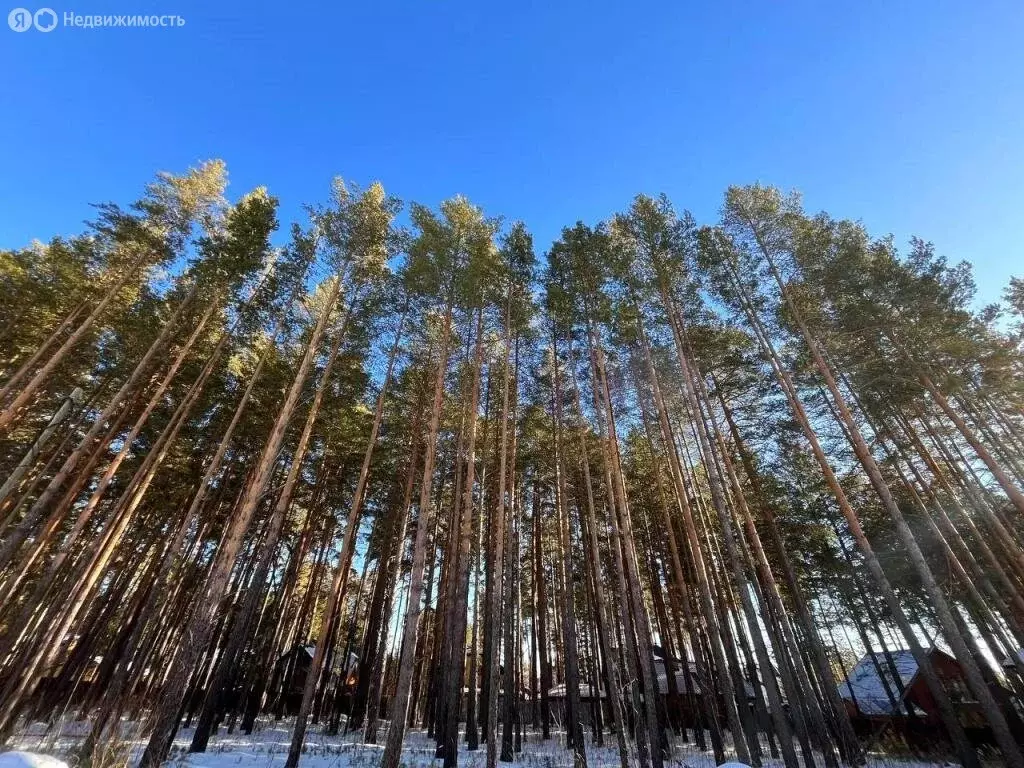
907,115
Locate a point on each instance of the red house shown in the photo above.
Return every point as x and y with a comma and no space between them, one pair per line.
879,700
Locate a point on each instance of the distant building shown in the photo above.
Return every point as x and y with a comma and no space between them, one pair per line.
682,709
882,703
290,673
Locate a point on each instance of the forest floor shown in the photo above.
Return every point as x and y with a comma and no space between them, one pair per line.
268,745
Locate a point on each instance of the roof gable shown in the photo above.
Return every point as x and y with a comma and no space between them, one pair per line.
866,688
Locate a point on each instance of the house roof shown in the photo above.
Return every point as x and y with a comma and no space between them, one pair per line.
310,650
659,667
680,682
1011,661
659,653
558,691
867,689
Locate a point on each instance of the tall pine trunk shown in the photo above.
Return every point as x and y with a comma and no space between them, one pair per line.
200,625
400,703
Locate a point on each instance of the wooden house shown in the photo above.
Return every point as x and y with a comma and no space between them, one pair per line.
680,709
886,694
292,668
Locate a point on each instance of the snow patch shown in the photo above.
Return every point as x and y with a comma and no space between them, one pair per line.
19,759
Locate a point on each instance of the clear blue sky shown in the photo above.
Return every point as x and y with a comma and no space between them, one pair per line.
907,115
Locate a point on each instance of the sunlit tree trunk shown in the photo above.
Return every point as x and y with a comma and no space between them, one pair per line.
457,612
17,535
948,714
574,724
400,703
14,409
495,590
199,628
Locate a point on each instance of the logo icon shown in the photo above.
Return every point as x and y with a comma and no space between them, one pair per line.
45,20
20,19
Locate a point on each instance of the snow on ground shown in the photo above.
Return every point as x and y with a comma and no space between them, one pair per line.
267,747
29,760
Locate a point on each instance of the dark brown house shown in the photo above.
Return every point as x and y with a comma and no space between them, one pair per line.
291,669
